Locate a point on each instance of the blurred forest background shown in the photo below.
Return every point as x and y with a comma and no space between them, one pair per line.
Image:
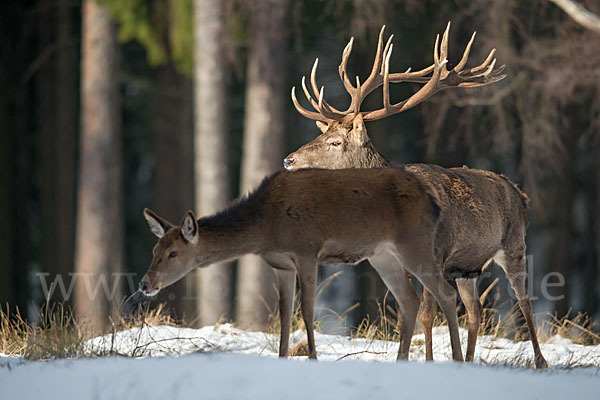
110,106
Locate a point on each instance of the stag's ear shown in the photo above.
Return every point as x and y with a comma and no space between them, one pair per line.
189,228
359,131
158,226
322,126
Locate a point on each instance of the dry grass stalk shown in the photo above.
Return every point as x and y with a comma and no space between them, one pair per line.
59,335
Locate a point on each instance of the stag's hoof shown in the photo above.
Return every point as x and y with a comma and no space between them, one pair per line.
540,362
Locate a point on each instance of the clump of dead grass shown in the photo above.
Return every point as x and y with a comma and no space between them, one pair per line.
382,327
579,329
14,333
510,324
58,334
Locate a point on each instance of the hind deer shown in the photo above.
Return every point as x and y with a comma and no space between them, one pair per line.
482,214
297,220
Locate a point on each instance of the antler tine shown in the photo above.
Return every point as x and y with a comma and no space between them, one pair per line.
324,109
436,53
321,98
377,62
304,112
313,83
307,94
485,63
387,48
444,47
499,69
484,79
342,67
386,78
375,71
490,68
417,76
465,57
313,77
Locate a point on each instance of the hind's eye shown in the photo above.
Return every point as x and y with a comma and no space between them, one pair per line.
172,254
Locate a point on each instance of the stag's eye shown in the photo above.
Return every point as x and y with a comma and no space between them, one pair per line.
172,254
336,143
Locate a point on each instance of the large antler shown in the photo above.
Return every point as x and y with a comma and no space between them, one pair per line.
440,78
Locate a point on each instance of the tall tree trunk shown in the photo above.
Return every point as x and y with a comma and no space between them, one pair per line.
263,142
15,143
65,140
46,131
211,140
99,245
173,187
596,197
561,259
55,128
7,172
591,273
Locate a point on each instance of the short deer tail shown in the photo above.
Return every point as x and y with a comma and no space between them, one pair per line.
524,198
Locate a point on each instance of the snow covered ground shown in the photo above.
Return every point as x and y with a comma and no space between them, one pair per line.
223,362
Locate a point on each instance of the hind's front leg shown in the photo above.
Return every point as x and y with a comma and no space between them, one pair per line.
287,286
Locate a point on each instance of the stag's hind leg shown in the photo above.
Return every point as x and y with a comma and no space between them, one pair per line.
427,314
514,265
398,282
445,295
467,288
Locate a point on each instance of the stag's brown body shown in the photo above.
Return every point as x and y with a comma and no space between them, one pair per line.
297,220
482,214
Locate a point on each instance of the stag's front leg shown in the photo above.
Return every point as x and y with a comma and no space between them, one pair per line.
307,274
286,281
467,288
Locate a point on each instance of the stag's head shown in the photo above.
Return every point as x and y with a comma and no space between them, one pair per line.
344,142
175,253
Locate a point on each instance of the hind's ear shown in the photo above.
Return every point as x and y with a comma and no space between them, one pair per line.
158,226
189,228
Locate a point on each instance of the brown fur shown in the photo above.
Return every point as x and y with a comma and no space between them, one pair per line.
482,216
297,220
479,219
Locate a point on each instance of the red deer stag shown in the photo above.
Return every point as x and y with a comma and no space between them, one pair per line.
482,213
297,220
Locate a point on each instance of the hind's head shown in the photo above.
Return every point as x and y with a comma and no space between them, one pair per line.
175,253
